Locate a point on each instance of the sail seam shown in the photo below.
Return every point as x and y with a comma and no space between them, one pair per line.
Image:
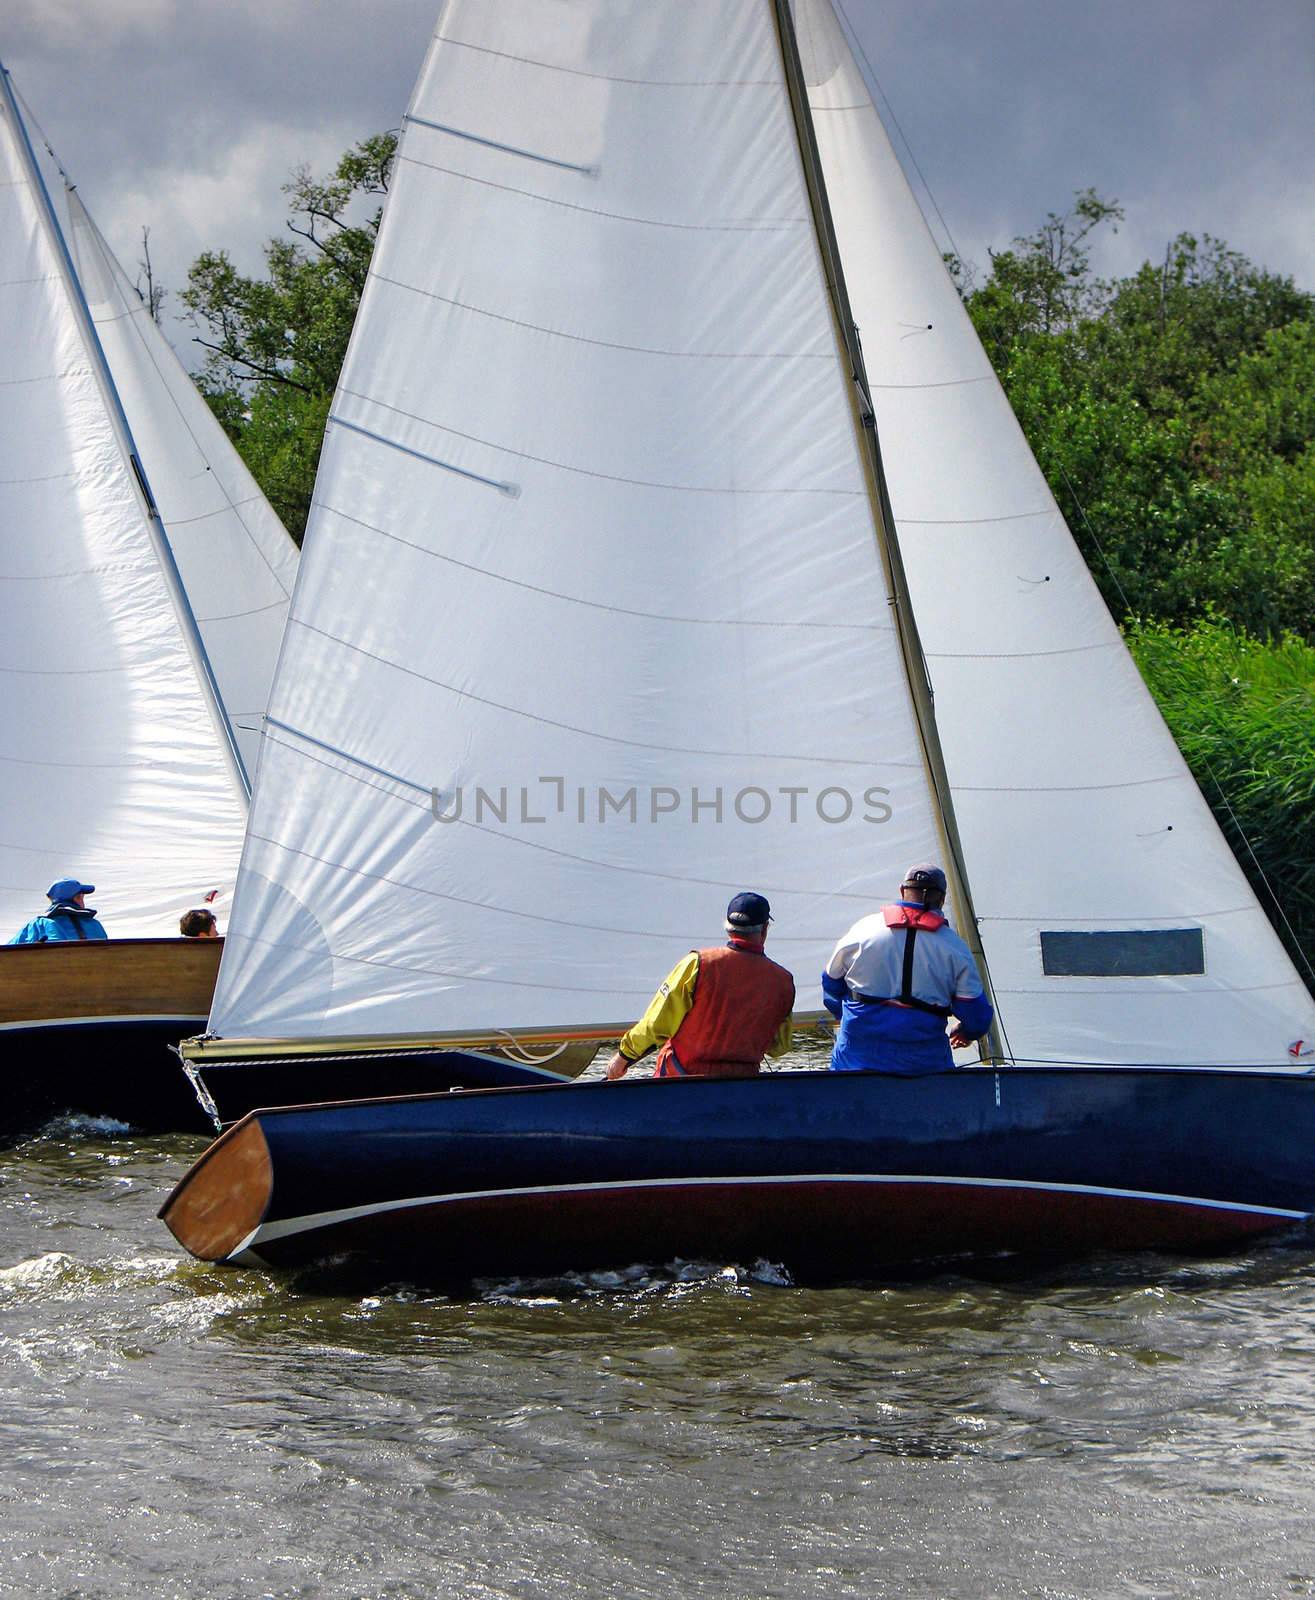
826,939
944,383
604,77
1019,655
970,522
251,611
144,565
1180,991
205,516
518,982
1079,922
606,344
595,605
591,733
583,472
45,377
739,225
1062,788
530,844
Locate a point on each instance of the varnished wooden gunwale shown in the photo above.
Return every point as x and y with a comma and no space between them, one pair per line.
105,979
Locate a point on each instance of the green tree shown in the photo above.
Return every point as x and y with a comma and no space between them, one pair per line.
275,344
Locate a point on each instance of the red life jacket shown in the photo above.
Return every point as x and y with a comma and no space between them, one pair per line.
740,1000
912,917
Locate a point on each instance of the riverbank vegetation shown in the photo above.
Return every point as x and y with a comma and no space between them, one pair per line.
1172,411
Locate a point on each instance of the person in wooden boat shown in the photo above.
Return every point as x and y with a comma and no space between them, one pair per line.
66,917
896,978
198,924
720,1010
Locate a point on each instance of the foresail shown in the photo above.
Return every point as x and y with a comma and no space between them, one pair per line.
1116,921
591,630
110,762
237,561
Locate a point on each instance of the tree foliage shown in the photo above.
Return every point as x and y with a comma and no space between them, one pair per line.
1173,412
275,344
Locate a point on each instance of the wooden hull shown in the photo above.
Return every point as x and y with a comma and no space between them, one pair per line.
834,1175
87,1027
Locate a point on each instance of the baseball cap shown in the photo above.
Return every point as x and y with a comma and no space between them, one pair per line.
748,911
66,888
924,876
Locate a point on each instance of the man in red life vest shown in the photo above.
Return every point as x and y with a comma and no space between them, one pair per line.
720,1010
896,978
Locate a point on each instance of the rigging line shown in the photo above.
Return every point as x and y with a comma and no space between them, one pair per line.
870,763
342,755
738,225
854,37
820,939
506,149
603,77
595,605
583,472
1100,548
1303,958
570,855
609,344
1260,871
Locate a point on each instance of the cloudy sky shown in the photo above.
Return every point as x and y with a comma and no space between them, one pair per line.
1198,115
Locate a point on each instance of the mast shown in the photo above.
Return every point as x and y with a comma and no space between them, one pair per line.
906,627
123,433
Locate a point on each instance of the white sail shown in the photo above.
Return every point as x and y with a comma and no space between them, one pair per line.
112,763
236,559
1075,808
591,533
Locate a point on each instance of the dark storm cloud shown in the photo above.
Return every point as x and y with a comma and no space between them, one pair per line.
1196,114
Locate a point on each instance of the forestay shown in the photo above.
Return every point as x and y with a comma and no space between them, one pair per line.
591,534
1076,810
111,758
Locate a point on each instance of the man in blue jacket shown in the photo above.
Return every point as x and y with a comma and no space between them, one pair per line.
67,916
896,978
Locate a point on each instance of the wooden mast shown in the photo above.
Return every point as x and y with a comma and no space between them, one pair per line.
906,627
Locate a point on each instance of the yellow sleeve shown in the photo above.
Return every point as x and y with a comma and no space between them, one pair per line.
666,1011
784,1038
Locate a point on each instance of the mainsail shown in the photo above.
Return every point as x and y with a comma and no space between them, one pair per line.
591,629
1079,819
113,745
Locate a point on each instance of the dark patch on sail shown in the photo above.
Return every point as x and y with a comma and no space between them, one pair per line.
1124,953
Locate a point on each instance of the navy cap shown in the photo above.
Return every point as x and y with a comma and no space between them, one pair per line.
924,876
748,911
67,888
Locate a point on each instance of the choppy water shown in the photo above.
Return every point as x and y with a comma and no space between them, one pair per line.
1125,1428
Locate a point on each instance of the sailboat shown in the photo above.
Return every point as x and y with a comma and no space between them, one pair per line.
659,381
145,584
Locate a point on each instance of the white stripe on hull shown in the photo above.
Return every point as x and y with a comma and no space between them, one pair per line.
292,1226
96,1022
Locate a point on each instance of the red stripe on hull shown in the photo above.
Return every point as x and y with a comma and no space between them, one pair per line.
826,1228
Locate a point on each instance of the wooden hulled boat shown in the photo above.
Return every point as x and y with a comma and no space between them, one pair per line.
832,1175
607,395
142,594
88,1026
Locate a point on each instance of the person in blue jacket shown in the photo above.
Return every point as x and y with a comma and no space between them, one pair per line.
66,917
895,980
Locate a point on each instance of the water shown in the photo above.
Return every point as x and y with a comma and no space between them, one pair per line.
1140,1427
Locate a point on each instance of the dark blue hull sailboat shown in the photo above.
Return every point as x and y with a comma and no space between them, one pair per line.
831,1175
